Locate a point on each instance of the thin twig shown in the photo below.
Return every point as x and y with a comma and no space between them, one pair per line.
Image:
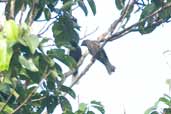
42,30
80,62
22,13
86,35
82,73
32,13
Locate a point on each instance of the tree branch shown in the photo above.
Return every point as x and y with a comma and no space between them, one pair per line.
32,13
12,9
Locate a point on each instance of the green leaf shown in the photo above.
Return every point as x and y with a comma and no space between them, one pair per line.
51,103
148,25
28,63
158,3
39,9
120,4
11,32
90,112
165,100
83,6
68,90
18,6
154,112
92,6
13,92
51,4
82,107
149,110
47,14
6,54
65,104
68,112
96,103
61,56
32,42
150,8
5,88
167,111
98,106
65,25
67,5
7,108
165,14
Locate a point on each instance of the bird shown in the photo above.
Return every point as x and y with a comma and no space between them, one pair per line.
76,54
98,53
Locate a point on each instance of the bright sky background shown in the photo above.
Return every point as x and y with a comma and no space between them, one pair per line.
141,68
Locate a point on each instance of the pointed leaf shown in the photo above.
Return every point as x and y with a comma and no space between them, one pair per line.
67,5
69,91
83,6
65,25
13,92
82,107
165,100
90,112
6,54
47,14
61,56
7,109
98,106
119,4
65,104
27,63
5,88
148,25
92,6
32,42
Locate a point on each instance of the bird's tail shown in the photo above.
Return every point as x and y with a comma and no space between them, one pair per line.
110,68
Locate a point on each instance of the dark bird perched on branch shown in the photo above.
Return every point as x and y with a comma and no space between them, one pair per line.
75,53
99,54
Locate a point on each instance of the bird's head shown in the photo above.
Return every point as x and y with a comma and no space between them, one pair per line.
85,42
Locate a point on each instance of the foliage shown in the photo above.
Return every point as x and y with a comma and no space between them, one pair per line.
31,78
166,100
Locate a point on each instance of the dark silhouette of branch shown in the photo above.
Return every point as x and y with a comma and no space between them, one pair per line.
43,30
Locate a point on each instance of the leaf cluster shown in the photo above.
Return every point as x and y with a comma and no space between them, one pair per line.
31,78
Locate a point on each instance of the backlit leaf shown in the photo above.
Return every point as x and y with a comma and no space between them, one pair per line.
7,109
27,63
